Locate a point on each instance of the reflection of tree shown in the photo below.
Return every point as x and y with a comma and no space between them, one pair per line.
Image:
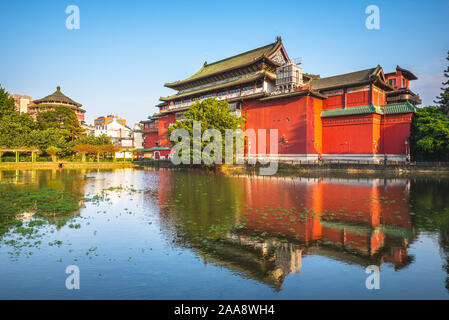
431,204
444,243
199,204
53,196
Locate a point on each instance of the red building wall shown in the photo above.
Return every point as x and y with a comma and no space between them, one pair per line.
379,97
349,134
347,97
334,102
150,139
163,124
359,98
401,81
297,120
395,132
301,130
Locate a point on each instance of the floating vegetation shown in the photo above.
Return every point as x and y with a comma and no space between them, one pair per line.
37,206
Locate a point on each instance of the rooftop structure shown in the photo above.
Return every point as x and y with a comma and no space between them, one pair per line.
120,135
103,120
57,98
360,115
22,102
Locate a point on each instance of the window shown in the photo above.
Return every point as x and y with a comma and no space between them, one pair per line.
234,90
259,84
178,102
392,82
209,95
222,93
250,87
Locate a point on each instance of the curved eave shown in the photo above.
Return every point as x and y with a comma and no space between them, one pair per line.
383,84
258,76
43,101
175,85
407,73
56,104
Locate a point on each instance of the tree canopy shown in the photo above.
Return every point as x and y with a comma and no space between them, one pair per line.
92,140
61,117
6,103
443,99
430,134
212,114
58,128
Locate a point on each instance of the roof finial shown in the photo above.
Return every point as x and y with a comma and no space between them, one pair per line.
278,38
58,88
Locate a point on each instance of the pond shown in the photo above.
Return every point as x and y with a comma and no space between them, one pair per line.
172,234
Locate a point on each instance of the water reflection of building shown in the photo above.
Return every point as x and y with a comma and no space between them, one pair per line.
357,221
369,217
280,258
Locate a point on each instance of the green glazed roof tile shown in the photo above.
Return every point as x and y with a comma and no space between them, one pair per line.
231,62
396,108
57,96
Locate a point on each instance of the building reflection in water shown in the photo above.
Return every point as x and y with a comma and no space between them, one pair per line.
356,221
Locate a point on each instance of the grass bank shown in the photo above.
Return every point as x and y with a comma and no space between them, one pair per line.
65,165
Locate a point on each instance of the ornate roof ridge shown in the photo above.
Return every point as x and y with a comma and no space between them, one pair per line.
57,96
259,53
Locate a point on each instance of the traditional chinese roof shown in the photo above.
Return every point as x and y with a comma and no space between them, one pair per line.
408,74
349,79
58,97
221,85
405,107
396,108
350,111
238,61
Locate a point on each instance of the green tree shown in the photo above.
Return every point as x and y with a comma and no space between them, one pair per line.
7,105
109,149
15,129
61,117
96,141
84,149
212,114
53,151
44,139
443,98
429,137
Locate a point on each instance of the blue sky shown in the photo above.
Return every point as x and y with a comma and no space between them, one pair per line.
124,51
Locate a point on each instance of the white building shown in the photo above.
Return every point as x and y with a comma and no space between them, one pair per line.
120,135
138,136
21,102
